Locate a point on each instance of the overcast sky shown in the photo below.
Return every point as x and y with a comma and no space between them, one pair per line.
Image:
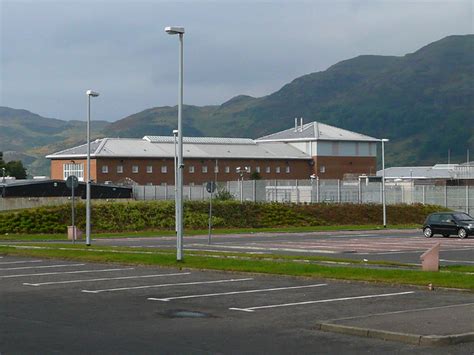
53,51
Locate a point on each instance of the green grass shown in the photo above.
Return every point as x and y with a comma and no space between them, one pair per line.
219,231
281,266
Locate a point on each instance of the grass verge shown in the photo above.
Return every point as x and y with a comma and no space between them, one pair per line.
224,262
189,232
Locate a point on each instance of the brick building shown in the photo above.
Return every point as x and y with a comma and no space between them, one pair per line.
314,148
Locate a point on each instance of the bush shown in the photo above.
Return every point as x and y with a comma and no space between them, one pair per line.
160,215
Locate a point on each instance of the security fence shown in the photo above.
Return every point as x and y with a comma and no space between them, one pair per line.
315,191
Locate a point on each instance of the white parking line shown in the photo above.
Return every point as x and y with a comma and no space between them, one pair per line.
103,279
318,251
64,272
39,267
165,285
233,293
457,261
20,262
252,309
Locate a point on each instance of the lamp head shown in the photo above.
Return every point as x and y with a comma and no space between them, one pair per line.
92,93
175,132
385,140
174,30
312,176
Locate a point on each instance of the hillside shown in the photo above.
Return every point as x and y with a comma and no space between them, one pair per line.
29,137
423,102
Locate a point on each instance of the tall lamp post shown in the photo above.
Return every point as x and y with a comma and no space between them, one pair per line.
172,30
3,175
89,94
384,207
175,134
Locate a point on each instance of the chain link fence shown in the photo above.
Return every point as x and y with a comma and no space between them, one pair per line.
459,198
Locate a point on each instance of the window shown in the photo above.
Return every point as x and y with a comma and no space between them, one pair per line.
322,169
257,169
268,169
227,169
119,169
105,169
191,169
287,169
149,169
135,169
164,169
204,169
277,170
73,169
216,169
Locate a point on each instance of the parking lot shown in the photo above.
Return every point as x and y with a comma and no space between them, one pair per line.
50,306
404,246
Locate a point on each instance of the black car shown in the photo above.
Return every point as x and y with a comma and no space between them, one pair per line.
449,223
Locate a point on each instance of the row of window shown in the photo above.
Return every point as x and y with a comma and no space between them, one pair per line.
192,170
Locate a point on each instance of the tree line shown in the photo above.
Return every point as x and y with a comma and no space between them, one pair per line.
13,168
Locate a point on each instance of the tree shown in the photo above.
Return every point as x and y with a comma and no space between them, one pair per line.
13,168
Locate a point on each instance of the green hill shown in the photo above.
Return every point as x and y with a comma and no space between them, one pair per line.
423,102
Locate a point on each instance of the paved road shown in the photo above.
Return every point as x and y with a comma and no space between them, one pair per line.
54,306
390,245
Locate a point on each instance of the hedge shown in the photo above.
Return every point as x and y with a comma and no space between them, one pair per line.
159,215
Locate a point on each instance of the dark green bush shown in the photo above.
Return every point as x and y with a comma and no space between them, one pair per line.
160,215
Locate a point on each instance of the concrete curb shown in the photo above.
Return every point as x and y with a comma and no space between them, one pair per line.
414,339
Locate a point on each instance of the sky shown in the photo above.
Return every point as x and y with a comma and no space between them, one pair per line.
51,52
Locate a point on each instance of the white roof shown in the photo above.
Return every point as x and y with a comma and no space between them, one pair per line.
317,131
163,147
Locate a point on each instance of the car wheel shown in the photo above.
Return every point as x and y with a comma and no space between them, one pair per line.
428,232
446,235
462,233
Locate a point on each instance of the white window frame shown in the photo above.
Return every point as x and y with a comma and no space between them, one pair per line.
149,169
164,169
204,169
287,169
268,170
322,169
73,169
277,170
257,169
119,169
191,169
227,169
135,169
105,169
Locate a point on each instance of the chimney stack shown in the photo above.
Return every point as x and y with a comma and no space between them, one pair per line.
296,124
301,124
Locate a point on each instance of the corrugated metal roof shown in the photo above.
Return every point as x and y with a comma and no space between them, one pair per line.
142,148
317,131
417,172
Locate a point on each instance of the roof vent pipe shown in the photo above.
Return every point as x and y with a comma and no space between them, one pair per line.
296,124
301,124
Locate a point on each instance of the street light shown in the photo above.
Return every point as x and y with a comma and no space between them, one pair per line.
384,207
241,171
173,30
3,175
89,94
175,134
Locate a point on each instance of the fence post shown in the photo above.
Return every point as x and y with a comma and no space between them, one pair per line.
338,191
190,192
254,190
276,191
297,192
155,193
360,191
317,189
446,196
144,192
423,195
467,197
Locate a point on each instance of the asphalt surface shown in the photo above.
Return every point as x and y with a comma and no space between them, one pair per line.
55,306
405,246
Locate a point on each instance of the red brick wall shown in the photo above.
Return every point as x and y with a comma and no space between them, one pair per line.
335,168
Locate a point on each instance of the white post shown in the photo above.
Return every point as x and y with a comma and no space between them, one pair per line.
384,207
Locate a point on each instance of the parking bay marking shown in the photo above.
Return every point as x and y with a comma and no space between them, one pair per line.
20,262
165,285
65,272
252,309
40,267
234,292
104,279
